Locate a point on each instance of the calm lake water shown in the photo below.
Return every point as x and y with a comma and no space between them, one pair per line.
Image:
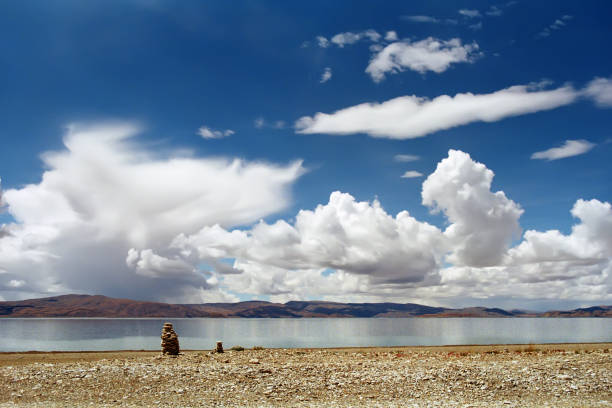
137,334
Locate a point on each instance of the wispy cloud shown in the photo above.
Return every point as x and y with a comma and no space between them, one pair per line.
208,133
322,41
476,27
326,76
408,117
348,38
404,158
568,149
420,19
412,174
469,13
391,36
556,25
430,54
261,123
494,11
600,91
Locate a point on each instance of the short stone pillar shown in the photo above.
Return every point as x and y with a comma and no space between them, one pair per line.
169,340
219,348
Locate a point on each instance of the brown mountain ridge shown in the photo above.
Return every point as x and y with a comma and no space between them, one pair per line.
103,306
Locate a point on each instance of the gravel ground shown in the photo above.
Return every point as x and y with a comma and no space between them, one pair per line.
502,376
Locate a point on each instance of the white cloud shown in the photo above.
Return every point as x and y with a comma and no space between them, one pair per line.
375,256
404,158
600,90
349,38
410,117
326,76
469,13
483,222
420,19
151,265
14,283
429,54
104,194
568,149
208,133
261,123
412,174
323,42
556,25
476,27
357,238
494,11
147,227
391,36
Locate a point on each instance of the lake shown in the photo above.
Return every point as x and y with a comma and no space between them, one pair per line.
201,333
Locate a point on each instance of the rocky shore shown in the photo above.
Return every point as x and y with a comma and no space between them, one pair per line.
462,376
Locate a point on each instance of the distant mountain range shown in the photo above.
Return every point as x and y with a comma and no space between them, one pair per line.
102,306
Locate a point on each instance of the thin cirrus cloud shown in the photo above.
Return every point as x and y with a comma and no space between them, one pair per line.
208,133
409,117
568,149
428,19
556,25
469,13
405,158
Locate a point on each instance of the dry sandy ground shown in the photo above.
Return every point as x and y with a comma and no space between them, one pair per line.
560,375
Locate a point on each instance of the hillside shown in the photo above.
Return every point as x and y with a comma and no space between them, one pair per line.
102,306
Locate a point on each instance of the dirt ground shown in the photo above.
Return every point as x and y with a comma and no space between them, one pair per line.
555,375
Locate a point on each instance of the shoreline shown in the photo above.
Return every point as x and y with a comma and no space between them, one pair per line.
518,375
33,356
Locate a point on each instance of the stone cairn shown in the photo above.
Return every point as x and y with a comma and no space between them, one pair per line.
169,340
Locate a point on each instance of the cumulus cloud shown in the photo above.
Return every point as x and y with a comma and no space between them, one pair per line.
600,91
410,117
326,76
104,194
568,149
357,238
482,222
349,249
429,54
110,217
208,133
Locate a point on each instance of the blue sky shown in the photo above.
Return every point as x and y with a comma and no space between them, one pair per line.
169,69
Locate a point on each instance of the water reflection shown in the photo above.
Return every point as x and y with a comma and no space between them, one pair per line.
117,334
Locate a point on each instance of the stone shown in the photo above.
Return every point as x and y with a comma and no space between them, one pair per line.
169,340
219,348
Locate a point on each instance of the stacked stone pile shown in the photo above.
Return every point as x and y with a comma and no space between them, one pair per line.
169,340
